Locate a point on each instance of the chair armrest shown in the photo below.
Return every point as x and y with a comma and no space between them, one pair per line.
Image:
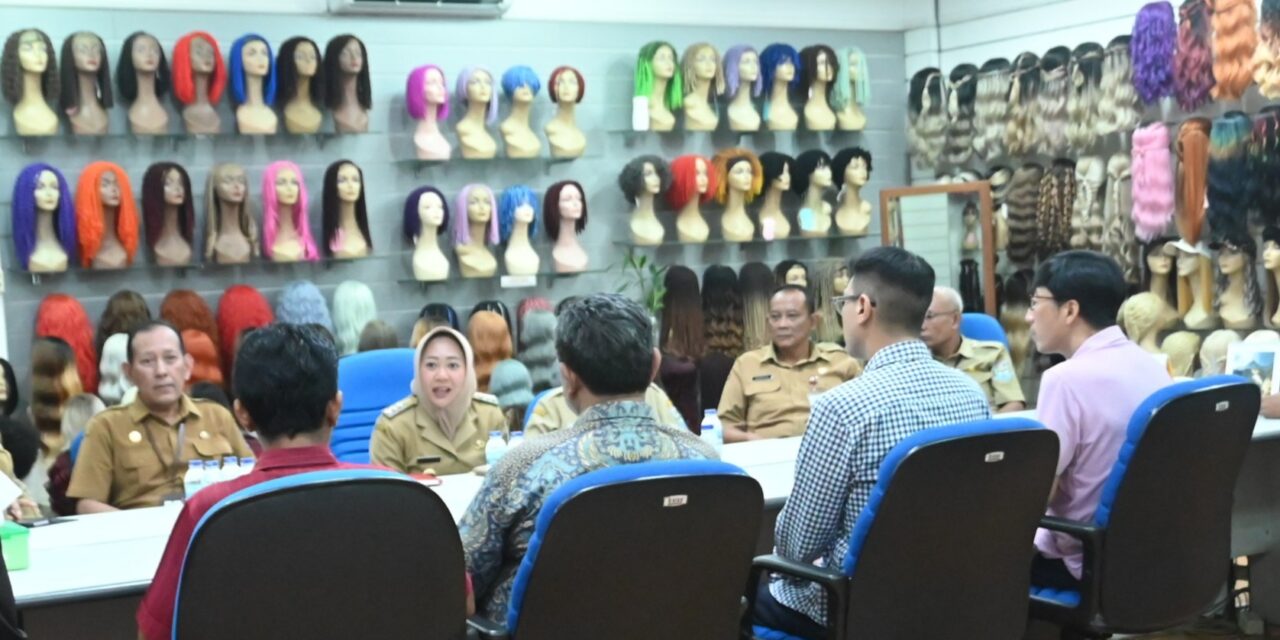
1091,539
834,583
488,628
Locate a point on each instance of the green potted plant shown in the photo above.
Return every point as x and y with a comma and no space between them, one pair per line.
643,277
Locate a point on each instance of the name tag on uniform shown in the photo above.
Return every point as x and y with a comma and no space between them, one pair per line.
762,377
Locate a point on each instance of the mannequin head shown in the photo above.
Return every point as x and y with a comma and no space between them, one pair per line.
1143,314
346,56
778,168
343,184
251,57
62,316
691,176
818,63
1213,352
521,84
240,308
518,204
565,201
125,310
813,167
83,52
1182,348
105,185
742,67
853,82
40,187
300,58
1271,262
644,175
29,51
780,63
475,205
165,185
228,184
1237,259
283,185
701,64
851,167
301,302
425,206
187,311
197,53
567,85
791,272
141,53
737,169
657,61
425,86
475,85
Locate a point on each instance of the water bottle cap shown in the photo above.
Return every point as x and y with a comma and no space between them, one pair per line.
247,460
195,463
517,433
230,459
709,412
495,434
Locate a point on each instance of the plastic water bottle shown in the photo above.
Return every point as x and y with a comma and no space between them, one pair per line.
212,472
496,448
516,438
193,480
246,465
712,430
230,468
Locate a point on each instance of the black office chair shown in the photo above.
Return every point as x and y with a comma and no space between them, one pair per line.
943,548
327,554
1157,553
10,629
637,552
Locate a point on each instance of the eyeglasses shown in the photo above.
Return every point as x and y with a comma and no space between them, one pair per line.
930,315
1035,300
838,301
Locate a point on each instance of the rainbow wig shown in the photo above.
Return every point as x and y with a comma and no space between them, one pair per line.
415,87
241,308
413,222
89,220
513,198
237,73
184,80
861,93
24,213
732,58
464,79
271,211
520,76
61,316
462,220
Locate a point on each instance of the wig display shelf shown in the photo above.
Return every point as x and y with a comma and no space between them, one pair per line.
758,141
174,140
57,277
506,281
754,242
405,154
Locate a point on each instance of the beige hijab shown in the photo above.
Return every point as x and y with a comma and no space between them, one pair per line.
451,416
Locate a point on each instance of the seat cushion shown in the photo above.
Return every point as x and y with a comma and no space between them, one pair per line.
1060,596
765,633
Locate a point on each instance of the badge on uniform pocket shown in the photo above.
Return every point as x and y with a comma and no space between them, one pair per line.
1003,372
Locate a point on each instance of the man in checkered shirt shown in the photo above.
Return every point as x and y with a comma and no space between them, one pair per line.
852,427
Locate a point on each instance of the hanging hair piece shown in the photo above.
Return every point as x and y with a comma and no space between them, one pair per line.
962,89
1024,91
757,284
1051,103
1118,106
1264,165
1229,195
1234,42
1022,202
1266,58
1193,168
1086,216
1119,240
1083,94
991,108
1155,35
1053,210
927,120
1152,181
1193,62
61,316
722,310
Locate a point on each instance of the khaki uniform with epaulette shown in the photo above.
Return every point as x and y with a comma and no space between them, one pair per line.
552,411
989,364
771,399
406,432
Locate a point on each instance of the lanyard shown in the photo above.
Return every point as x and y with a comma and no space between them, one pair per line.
177,449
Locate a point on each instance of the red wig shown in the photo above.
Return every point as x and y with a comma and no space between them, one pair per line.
186,310
61,316
684,180
555,77
242,307
89,212
184,81
208,366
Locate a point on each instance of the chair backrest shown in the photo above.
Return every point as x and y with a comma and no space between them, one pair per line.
370,382
646,550
328,554
980,326
75,447
943,547
1166,506
528,410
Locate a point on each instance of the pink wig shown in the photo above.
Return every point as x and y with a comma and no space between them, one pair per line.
271,211
462,221
1153,202
61,316
414,89
241,307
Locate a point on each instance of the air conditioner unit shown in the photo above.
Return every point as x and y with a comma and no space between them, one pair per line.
440,8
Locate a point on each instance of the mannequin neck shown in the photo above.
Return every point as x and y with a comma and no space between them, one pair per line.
743,97
735,203
691,209
644,206
109,217
478,233
520,113
170,225
701,89
565,111
349,93
284,221
1235,287
658,98
428,239
779,94
347,218
87,83
430,121
852,198
253,91
477,110
818,90
813,198
229,222
44,226
303,96
1160,285
32,88
1197,290
202,89
146,86
568,235
519,236
772,201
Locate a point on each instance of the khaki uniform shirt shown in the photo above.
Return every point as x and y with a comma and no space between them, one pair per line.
553,413
130,458
989,364
767,397
406,431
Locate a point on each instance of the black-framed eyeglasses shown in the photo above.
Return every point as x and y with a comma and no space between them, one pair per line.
1035,300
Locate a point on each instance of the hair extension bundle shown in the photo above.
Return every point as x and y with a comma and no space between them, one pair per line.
1193,167
1022,201
1086,214
1266,58
538,349
1118,106
823,287
1155,35
757,284
1229,194
1234,41
1193,62
962,90
991,108
722,310
682,324
1083,95
926,110
1051,103
1013,317
1118,239
1019,132
1264,165
1053,210
1152,171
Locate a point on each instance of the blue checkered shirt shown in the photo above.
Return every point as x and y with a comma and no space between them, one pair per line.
851,429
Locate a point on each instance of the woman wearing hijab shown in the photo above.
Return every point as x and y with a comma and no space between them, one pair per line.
443,416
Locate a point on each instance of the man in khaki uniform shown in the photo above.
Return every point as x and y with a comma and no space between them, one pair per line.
767,393
552,412
406,432
135,455
988,363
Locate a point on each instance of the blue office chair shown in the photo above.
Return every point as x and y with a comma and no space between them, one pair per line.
1158,550
74,450
528,412
355,553
980,326
370,382
943,547
638,551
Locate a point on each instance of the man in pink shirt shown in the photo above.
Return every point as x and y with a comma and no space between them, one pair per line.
1087,400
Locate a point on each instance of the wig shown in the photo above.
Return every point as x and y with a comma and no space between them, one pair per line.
377,335
757,284
153,203
90,213
413,221
724,162
1239,240
70,98
415,93
462,219
464,79
733,78
1266,58
1083,94
822,287
11,395
1269,234
774,163
213,210
631,178
684,181
24,214
1155,36
353,308
1118,107
439,314
688,69
991,108
840,163
512,385
513,198
1024,91
551,208
722,311
127,76
271,211
963,90
532,303
808,69
538,349
1051,102
926,117
555,79
682,331
1205,272
1053,211
860,78
1229,195
1234,41
1193,62
333,73
1119,239
645,78
1182,347
1264,164
302,303
1022,203
61,316
184,79
12,74
498,307
186,310
520,76
125,310
238,75
1153,198
206,366
781,270
1158,249
806,164
491,339
54,381
332,204
241,308
112,383
1013,317
1000,178
287,69
1193,169
776,55
1086,220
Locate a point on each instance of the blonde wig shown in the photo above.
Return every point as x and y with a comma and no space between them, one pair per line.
1086,214
1118,103
991,108
1182,348
689,69
1119,239
724,162
962,87
1213,352
1051,102
1234,40
927,119
1266,58
1083,93
823,288
1024,90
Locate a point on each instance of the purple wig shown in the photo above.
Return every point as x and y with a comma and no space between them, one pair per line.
731,59
464,79
415,88
412,221
24,213
1155,35
271,211
462,220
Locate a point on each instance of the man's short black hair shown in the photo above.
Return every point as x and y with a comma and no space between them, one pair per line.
285,375
1094,280
607,340
899,283
808,296
148,326
22,441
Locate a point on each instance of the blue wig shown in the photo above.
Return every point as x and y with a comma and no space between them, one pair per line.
520,76
24,214
513,198
774,55
236,70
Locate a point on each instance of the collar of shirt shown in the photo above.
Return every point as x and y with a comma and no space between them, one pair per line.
139,411
1109,337
312,456
965,350
899,352
595,415
771,354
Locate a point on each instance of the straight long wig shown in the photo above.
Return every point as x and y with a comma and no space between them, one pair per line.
1193,169
90,212
682,333
331,205
153,203
271,211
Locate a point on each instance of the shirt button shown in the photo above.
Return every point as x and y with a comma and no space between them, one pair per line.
204,435
135,437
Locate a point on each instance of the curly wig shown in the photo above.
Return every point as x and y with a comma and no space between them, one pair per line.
24,214
241,308
991,108
1155,36
70,98
1118,106
54,381
1053,211
184,78
807,163
1022,204
1234,41
1051,102
1119,239
724,162
684,181
333,71
89,213
125,310
153,203
1193,62
722,311
11,69
61,316
185,309
1152,168
631,178
926,117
